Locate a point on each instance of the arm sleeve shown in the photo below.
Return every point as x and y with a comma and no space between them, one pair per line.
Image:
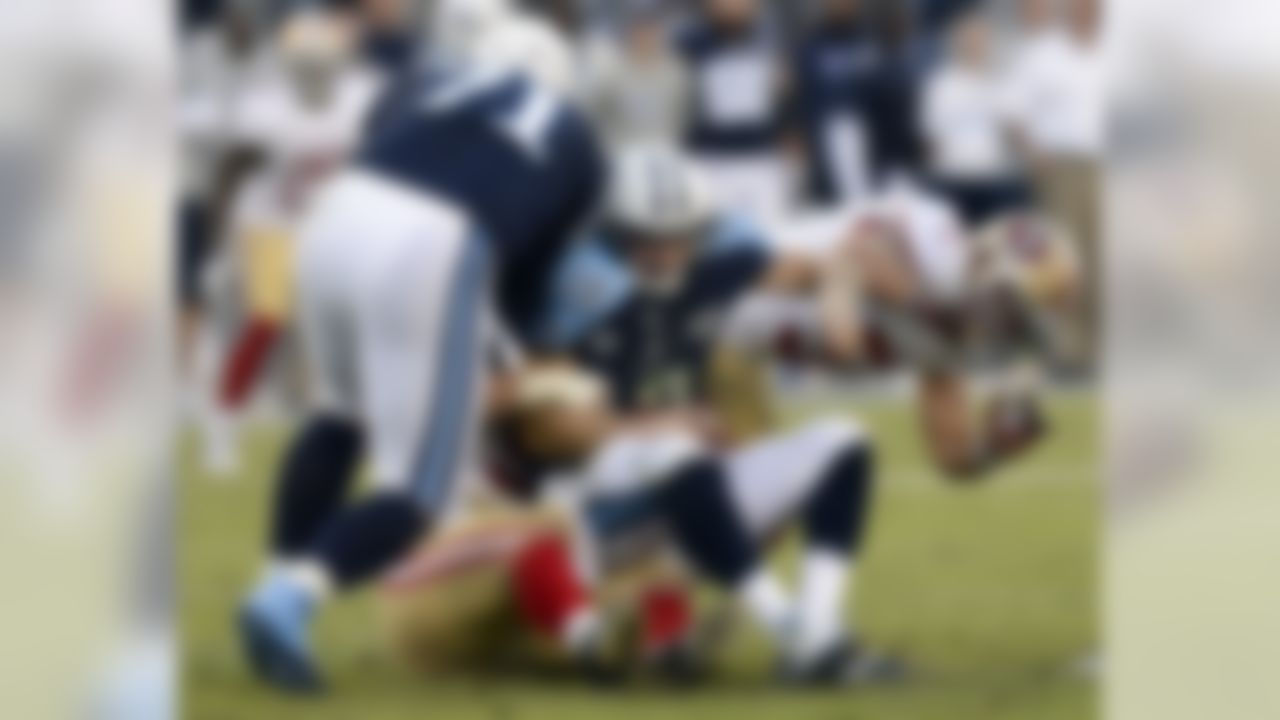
588,287
737,258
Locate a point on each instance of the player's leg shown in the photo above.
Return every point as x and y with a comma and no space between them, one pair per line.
319,467
697,503
823,476
268,290
418,310
415,298
223,311
421,376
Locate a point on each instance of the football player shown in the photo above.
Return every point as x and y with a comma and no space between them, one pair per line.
632,494
294,132
645,301
472,179
967,314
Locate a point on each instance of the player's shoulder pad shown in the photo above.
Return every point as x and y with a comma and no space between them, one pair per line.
733,233
589,284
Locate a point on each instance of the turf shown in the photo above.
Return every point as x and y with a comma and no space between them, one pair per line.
988,591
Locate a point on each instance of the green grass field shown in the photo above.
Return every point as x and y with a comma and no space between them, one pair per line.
989,592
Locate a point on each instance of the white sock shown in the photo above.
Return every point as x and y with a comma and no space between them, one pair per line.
768,603
581,633
312,577
824,582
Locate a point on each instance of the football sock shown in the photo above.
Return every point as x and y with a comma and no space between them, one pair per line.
314,482
550,594
835,520
666,618
364,540
825,579
766,600
311,577
246,361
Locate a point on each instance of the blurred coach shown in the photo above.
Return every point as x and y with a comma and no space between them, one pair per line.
968,126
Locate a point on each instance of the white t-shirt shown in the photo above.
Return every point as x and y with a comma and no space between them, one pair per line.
1057,88
304,145
966,120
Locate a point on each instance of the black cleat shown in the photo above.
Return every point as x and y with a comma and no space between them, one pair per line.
679,666
846,665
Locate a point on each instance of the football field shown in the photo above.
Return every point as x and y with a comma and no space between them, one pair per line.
987,591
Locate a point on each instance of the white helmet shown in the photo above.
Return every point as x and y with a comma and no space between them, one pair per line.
558,386
1037,264
495,35
458,27
532,46
1030,255
657,191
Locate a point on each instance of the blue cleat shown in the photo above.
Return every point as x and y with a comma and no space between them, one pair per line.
274,627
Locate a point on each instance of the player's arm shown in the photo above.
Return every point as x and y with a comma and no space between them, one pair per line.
833,281
969,442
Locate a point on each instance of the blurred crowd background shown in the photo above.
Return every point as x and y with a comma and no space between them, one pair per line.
788,106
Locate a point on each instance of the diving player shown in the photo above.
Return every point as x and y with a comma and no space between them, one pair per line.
975,317
472,179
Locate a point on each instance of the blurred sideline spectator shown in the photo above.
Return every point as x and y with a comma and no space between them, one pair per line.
740,105
1058,95
637,89
967,123
832,64
891,100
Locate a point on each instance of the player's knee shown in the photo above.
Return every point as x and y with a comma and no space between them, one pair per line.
837,514
697,505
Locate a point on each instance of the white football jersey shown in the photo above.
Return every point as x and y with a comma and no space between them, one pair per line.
303,145
934,241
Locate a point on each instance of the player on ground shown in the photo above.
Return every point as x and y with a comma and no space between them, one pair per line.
638,495
472,175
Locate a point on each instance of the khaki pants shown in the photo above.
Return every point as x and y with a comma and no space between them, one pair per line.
1071,191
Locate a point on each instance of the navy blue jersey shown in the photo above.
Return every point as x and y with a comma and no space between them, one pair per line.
833,66
653,350
740,103
526,166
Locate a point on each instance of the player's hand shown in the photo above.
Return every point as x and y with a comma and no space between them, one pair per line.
1015,423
